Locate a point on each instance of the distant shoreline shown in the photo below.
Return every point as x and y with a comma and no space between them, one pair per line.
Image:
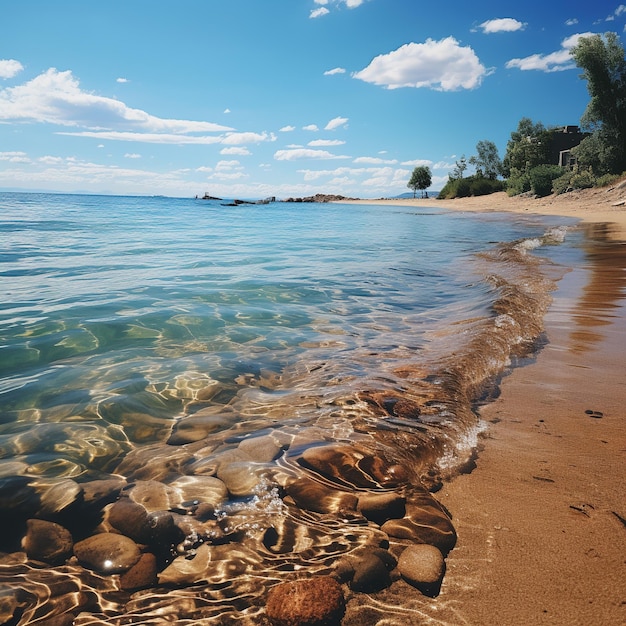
602,205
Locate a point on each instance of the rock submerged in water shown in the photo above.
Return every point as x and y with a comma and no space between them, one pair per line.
422,566
47,541
310,602
107,553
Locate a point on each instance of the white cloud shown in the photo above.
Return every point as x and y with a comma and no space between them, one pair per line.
287,129
164,138
10,68
56,97
317,143
571,22
305,153
441,65
417,163
553,62
502,25
14,157
375,161
351,4
620,10
227,111
311,127
318,12
336,122
248,137
122,80
236,151
133,155
335,70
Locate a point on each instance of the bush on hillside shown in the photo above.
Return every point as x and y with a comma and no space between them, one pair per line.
575,179
470,186
541,178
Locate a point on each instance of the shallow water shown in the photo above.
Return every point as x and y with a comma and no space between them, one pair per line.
230,359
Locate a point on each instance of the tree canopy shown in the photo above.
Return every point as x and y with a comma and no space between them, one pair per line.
421,178
603,61
487,161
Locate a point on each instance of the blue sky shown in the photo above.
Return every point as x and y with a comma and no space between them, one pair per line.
252,98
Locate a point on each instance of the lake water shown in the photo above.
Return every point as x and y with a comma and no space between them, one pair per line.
157,341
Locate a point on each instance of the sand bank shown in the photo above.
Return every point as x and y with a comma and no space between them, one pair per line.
541,520
605,205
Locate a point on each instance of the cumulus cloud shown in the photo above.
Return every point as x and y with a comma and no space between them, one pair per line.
335,123
56,97
132,155
10,68
335,70
417,163
311,127
287,129
553,62
441,65
296,154
236,151
502,25
571,22
122,80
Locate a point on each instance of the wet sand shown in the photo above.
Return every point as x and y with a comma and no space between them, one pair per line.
541,520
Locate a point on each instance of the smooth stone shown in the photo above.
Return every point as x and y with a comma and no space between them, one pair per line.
425,522
379,507
129,518
197,427
240,478
310,602
370,574
153,495
184,571
262,449
47,541
338,463
200,489
107,553
98,493
141,575
421,564
313,496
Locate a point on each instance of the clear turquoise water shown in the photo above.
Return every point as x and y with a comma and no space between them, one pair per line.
120,315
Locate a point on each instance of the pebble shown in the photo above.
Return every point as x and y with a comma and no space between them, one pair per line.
421,565
107,553
379,507
309,602
47,541
141,575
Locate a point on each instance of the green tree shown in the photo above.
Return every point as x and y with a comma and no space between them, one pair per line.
528,147
459,168
487,162
421,178
603,61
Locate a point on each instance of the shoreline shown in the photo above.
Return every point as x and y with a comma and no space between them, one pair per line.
541,519
603,205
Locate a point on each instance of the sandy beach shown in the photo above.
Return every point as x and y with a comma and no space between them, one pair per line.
541,520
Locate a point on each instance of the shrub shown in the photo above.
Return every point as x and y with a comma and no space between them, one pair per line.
518,182
541,178
574,180
470,186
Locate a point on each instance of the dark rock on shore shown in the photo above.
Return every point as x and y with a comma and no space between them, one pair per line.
320,197
312,602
